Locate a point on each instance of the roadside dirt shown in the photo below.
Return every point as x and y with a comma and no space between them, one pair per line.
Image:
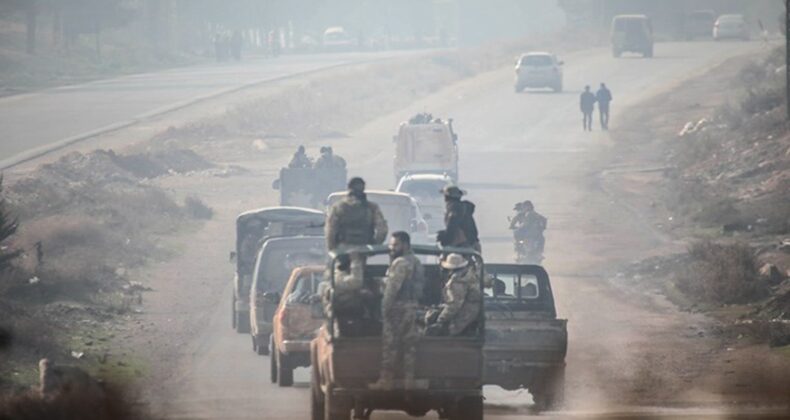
730,365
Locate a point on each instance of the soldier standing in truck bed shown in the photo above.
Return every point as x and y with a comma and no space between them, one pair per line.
354,221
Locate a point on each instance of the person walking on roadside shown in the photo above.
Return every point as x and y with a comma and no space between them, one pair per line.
587,105
604,97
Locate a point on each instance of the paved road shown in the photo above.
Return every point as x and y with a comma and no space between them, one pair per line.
513,146
32,123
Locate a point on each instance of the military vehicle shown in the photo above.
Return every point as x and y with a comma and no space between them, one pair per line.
253,228
525,342
346,359
309,187
277,259
426,145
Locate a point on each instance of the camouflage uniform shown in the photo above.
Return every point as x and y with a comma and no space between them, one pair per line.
354,221
462,299
402,292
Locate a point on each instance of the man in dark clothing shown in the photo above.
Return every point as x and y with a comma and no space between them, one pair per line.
587,105
300,159
460,227
604,97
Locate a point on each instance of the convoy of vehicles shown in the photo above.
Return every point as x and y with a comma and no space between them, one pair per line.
277,259
632,33
525,342
426,145
449,373
731,27
426,189
294,324
253,228
538,70
400,210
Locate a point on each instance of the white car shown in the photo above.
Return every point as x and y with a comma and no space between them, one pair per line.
400,210
730,27
538,70
426,190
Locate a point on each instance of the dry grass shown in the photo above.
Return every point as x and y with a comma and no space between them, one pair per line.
111,404
721,274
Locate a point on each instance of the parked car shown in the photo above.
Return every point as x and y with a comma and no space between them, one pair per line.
336,39
294,325
731,27
346,359
276,261
253,228
698,24
526,343
400,210
426,190
632,33
538,70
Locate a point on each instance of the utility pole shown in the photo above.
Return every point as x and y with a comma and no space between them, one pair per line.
787,56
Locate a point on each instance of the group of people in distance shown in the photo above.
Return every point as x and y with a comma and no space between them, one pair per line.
603,97
354,221
327,159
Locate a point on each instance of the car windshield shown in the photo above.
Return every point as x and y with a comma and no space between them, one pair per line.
423,190
537,60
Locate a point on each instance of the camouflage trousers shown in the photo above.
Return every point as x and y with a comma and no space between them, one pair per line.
399,338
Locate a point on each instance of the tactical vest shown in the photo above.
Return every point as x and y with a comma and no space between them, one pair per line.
411,289
356,225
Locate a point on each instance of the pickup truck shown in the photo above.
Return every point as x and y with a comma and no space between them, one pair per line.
449,370
525,342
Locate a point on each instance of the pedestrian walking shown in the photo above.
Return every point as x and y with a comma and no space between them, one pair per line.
587,105
604,98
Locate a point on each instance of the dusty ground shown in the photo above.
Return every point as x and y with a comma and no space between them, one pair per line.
628,347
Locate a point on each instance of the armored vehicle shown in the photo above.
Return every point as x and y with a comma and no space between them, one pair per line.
426,145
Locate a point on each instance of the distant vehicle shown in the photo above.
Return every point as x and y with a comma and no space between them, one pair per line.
400,210
346,359
731,27
337,39
699,24
426,145
308,187
276,261
632,33
253,228
426,190
538,70
525,343
294,325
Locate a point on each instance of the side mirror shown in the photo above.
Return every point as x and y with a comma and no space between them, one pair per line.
561,63
271,297
276,184
232,256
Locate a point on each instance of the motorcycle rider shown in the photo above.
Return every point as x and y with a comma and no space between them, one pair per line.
528,226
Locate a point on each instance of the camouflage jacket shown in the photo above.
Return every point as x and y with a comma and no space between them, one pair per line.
354,221
404,282
462,299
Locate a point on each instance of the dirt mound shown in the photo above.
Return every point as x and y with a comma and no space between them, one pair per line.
152,165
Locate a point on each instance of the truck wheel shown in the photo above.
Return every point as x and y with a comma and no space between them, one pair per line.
469,408
558,87
616,53
518,89
262,349
285,374
649,53
551,395
242,322
334,407
316,396
273,369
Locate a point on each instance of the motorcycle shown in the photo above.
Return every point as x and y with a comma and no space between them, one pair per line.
528,250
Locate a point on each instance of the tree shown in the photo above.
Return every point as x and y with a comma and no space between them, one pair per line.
8,227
